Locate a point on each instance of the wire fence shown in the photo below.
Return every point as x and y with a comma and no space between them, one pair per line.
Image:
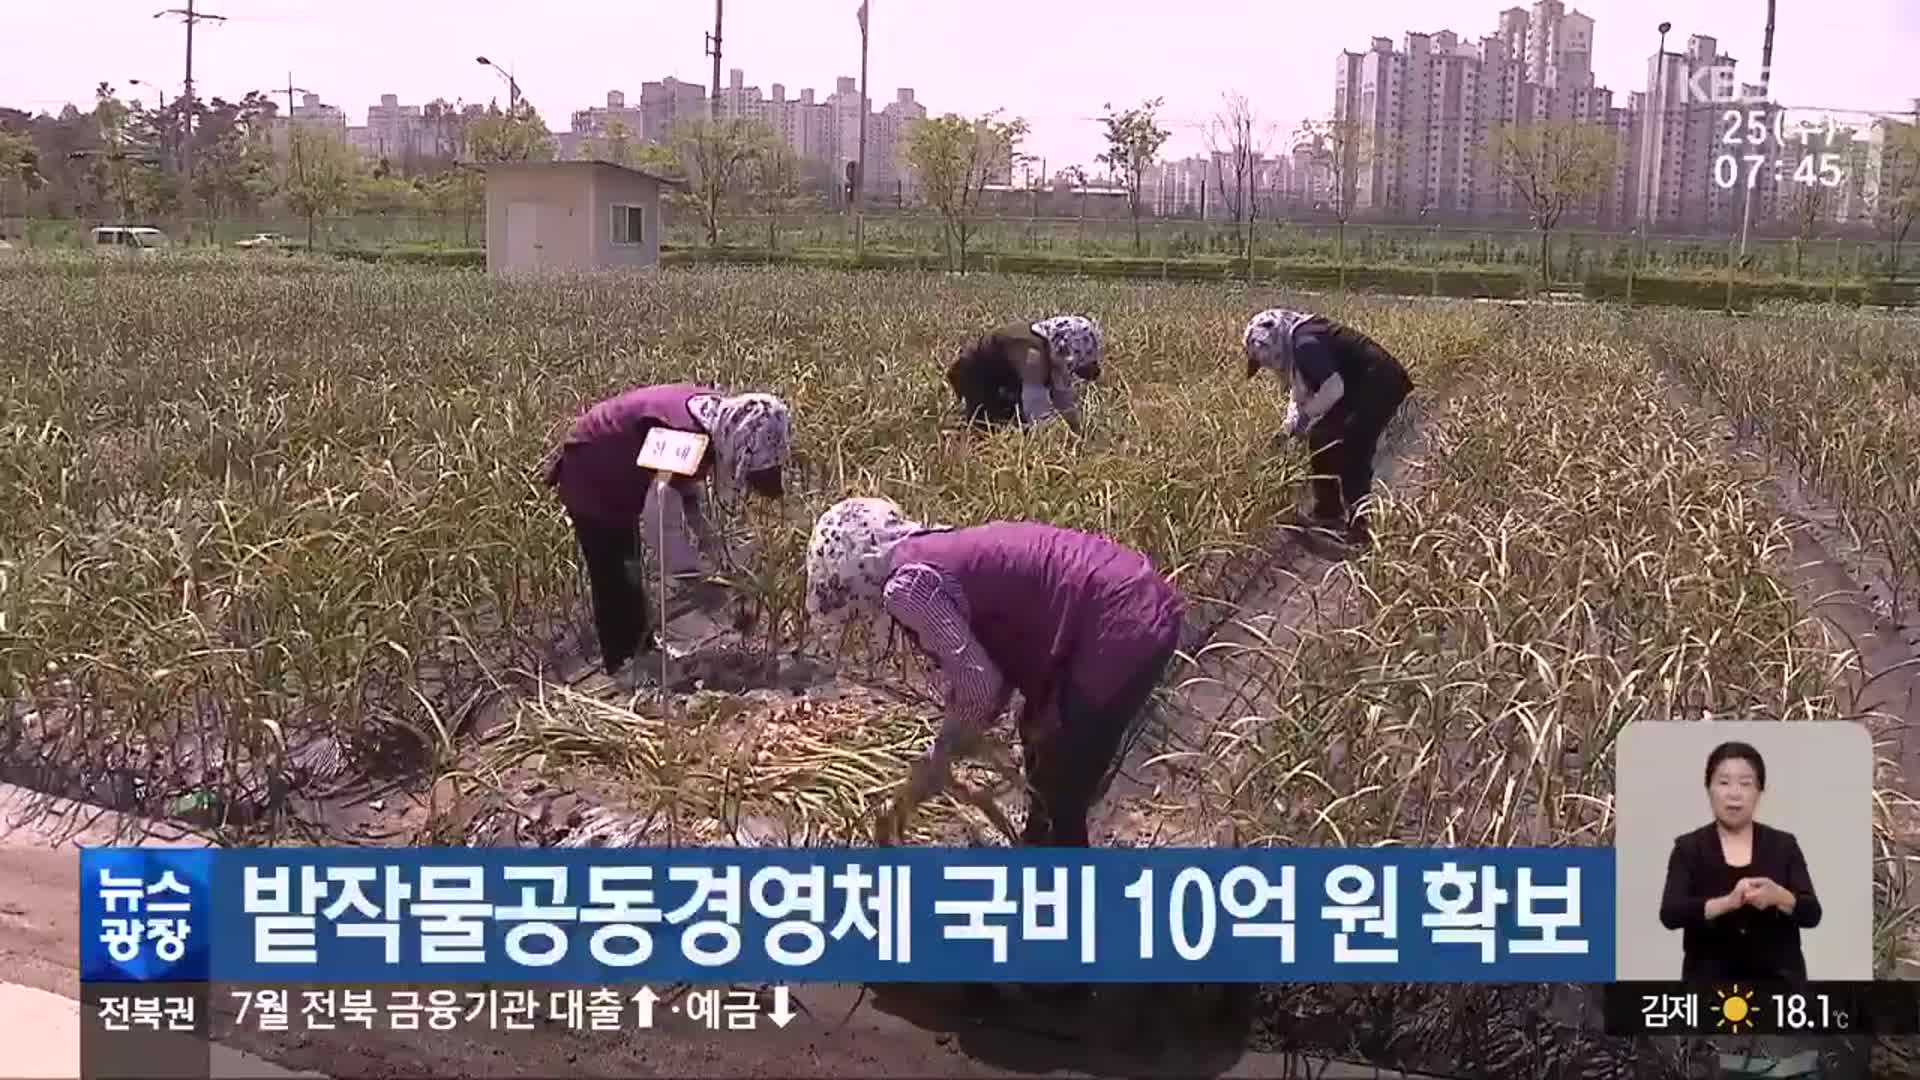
1574,253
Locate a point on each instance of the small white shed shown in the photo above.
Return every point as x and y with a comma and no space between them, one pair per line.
572,215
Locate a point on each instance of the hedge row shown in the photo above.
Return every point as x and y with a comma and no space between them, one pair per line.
1453,282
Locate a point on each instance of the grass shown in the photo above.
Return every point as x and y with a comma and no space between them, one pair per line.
1835,396
249,509
257,507
1576,555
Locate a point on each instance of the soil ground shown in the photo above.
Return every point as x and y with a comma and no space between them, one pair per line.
902,1031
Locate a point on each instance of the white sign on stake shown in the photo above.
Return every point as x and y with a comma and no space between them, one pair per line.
668,450
668,453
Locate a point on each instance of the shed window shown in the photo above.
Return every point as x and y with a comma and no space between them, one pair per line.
629,224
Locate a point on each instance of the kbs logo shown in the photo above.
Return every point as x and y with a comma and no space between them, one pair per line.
1714,84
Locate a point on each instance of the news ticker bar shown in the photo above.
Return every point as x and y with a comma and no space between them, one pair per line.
584,917
1629,1008
1736,1008
164,1031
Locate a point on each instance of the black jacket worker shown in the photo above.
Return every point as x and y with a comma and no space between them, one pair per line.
1343,391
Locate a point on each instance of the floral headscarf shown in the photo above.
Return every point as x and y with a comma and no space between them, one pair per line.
1269,340
848,555
1073,340
750,432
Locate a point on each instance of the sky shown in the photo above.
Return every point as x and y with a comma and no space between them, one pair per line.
1057,63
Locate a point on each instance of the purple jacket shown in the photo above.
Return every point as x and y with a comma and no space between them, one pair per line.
1046,602
594,468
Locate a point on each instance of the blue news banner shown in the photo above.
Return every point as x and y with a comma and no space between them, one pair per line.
715,915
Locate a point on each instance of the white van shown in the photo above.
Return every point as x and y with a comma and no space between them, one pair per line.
133,240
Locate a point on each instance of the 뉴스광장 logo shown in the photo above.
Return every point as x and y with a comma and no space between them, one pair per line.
143,914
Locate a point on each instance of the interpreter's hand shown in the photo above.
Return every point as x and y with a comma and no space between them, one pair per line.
1734,899
1764,894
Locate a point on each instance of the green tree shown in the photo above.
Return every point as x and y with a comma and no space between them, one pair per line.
1339,151
386,196
1238,139
1893,187
457,191
157,194
19,170
715,157
327,182
1553,165
1134,139
773,173
515,135
232,158
1807,208
618,146
956,157
117,158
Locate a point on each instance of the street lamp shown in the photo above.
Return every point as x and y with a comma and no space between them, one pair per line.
1649,175
1660,69
513,88
155,87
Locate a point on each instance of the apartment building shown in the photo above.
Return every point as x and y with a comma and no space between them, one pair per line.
1309,180
823,133
1201,185
666,103
600,121
1850,205
739,101
828,132
1680,139
1426,113
397,133
311,115
806,124
1889,167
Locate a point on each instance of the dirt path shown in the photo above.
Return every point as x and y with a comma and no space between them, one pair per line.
1848,586
1852,590
1158,798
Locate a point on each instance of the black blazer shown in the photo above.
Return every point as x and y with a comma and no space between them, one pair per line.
1745,944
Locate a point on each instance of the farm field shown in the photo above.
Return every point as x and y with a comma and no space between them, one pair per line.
274,553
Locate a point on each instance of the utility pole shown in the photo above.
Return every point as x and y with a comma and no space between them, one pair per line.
293,144
713,50
1766,76
189,16
292,90
860,155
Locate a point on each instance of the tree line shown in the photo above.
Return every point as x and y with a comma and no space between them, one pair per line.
126,161
123,160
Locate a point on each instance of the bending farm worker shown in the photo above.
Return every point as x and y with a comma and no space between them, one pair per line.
1343,390
1027,372
1083,627
608,496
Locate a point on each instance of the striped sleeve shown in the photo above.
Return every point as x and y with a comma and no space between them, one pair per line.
928,604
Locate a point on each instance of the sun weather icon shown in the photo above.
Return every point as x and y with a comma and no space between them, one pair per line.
1735,1009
